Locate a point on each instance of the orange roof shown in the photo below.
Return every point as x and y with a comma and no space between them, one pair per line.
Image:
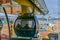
43,33
5,1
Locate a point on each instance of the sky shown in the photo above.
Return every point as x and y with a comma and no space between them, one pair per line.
52,6
59,7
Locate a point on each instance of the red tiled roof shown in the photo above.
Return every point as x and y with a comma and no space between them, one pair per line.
5,1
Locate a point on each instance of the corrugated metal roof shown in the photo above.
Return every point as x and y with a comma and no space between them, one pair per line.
44,6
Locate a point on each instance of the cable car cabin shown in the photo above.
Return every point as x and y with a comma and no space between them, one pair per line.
25,26
53,36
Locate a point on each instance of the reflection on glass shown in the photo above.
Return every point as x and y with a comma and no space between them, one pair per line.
23,23
54,38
